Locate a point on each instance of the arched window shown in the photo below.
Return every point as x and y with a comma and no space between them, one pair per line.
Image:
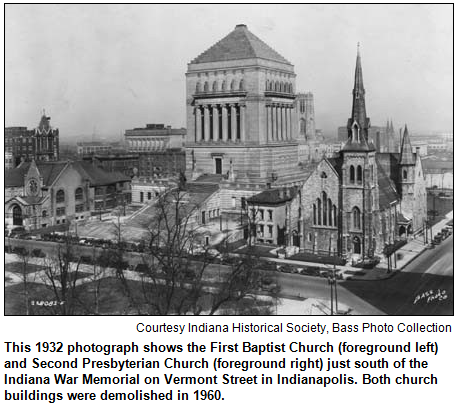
325,210
319,212
267,85
314,211
290,88
356,218
302,126
271,85
60,196
198,87
359,174
78,194
355,133
276,86
335,223
44,214
241,85
206,87
352,174
330,213
405,174
215,86
224,86
323,174
17,215
233,84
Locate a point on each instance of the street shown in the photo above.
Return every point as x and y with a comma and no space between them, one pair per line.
423,287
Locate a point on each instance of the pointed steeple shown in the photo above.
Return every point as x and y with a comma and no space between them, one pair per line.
358,123
406,152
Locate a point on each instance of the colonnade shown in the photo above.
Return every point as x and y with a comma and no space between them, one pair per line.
147,144
220,122
279,121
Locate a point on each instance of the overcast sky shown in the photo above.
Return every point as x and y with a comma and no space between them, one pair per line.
115,67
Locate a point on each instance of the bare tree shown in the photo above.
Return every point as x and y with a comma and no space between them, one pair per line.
173,279
61,275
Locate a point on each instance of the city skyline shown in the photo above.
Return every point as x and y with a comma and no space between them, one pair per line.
80,79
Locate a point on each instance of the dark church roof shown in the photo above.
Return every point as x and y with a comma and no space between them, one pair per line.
239,44
98,176
273,196
387,192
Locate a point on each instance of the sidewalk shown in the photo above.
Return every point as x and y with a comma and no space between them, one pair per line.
416,246
406,255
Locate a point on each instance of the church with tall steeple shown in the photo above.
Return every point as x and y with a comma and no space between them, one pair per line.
361,200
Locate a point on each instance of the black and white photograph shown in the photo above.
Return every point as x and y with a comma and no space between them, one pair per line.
227,160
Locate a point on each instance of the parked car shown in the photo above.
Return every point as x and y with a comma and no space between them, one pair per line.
310,271
367,263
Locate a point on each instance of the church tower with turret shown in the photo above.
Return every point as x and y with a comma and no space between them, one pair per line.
360,198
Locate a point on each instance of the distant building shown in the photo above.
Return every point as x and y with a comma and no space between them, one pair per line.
154,137
160,150
9,161
39,144
41,194
383,138
93,147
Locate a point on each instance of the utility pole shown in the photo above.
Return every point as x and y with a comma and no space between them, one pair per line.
334,279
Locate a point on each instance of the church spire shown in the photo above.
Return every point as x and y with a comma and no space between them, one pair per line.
406,152
358,123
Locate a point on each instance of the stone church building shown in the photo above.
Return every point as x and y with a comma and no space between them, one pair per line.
361,200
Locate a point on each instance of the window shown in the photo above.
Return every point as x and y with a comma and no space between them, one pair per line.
405,174
309,237
356,218
334,216
319,212
241,85
314,210
323,174
262,214
149,195
60,196
44,214
352,174
224,86
79,208
359,174
198,87
302,126
233,85
330,213
78,194
141,197
214,86
203,217
325,206
371,173
206,87
270,231
270,215
262,230
243,203
60,211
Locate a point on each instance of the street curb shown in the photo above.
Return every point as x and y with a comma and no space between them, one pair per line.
410,260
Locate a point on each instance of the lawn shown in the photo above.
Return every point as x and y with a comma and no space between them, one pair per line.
18,267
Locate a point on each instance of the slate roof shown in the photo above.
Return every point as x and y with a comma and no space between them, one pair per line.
98,176
387,191
273,196
15,176
239,44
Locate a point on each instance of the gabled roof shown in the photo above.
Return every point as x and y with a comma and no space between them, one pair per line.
387,192
406,155
97,176
49,171
15,176
273,196
239,44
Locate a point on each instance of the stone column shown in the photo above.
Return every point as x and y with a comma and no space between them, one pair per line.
206,123
224,123
290,131
233,123
198,129
287,122
215,123
242,121
269,123
279,123
284,116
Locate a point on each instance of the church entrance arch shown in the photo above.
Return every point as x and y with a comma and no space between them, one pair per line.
17,215
402,231
357,245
